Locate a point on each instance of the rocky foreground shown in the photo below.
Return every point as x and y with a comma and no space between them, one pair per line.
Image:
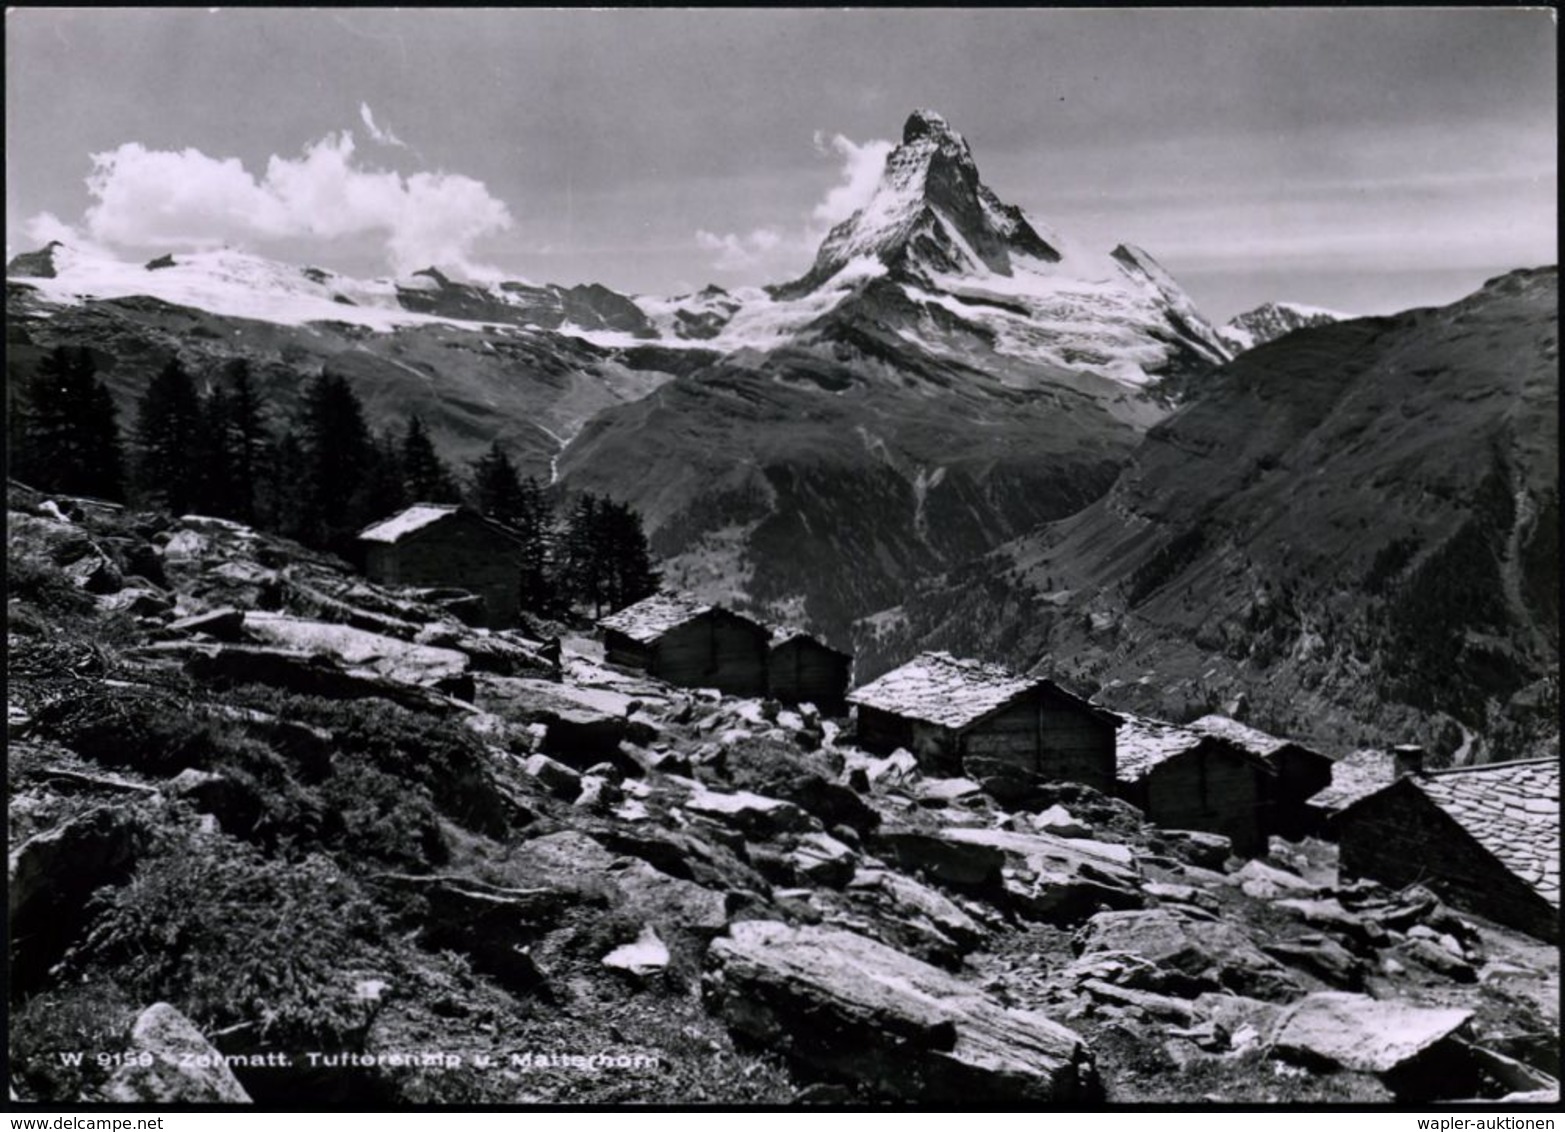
278,833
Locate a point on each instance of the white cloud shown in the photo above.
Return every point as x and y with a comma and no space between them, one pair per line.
384,137
861,169
735,252
145,198
776,249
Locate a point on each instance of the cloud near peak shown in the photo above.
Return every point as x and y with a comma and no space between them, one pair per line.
165,199
774,249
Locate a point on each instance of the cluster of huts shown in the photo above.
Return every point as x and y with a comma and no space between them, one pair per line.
1487,837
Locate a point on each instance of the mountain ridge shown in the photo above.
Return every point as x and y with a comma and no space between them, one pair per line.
1405,596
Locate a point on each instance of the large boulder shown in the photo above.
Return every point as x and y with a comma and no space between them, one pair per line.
170,1062
572,861
1055,879
849,1009
1186,954
1410,1047
50,877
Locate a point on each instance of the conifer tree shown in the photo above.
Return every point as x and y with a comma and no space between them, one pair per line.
168,420
212,458
497,489
604,559
64,432
501,494
386,490
247,439
424,475
337,454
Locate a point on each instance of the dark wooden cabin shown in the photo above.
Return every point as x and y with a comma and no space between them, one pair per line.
1182,779
1299,772
682,641
966,717
447,546
1486,838
801,669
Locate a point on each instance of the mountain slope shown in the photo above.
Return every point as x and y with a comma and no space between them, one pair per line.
472,383
1353,530
1271,321
947,375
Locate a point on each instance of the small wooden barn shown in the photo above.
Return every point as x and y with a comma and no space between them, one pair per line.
1486,838
801,669
1183,779
964,716
445,545
686,642
1299,772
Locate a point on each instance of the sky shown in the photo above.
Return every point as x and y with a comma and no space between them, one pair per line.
1362,159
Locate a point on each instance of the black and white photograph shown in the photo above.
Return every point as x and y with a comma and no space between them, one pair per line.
788,558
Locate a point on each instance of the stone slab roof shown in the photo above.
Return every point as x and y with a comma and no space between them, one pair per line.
1143,744
1356,776
1511,809
1251,739
651,617
937,688
404,523
787,634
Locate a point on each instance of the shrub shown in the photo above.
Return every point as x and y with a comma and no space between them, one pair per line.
227,936
384,819
449,762
154,732
74,1023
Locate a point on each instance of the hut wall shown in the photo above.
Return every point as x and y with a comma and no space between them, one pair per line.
1399,837
800,671
713,651
882,732
625,651
461,552
1300,774
1214,790
1042,734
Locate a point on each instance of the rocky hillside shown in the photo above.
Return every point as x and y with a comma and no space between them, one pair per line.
341,846
1350,534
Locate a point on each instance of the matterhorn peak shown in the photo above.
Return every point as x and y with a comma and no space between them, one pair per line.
927,124
930,215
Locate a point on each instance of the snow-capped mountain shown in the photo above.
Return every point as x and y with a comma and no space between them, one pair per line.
1271,321
949,373
948,263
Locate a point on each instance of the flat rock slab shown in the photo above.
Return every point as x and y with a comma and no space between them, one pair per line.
754,814
1187,955
853,1010
497,692
1261,881
1362,1033
944,791
390,657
